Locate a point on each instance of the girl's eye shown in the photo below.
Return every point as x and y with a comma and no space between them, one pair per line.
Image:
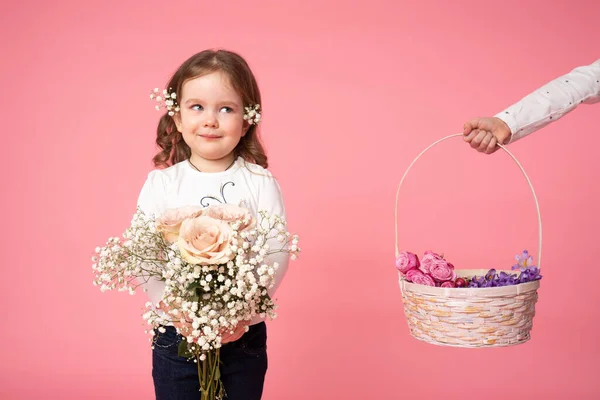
227,109
197,107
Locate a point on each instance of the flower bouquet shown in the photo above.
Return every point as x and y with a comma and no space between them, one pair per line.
215,265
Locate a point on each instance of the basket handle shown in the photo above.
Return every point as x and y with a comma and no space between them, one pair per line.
537,206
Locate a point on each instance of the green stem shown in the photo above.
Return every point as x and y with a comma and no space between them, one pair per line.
209,373
215,386
219,387
201,373
203,386
211,386
213,369
199,368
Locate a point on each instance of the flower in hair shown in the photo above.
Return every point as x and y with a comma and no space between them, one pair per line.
252,114
167,100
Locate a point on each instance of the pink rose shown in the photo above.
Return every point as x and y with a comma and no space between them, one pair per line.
449,284
406,261
417,276
232,213
170,221
460,282
428,259
442,271
204,240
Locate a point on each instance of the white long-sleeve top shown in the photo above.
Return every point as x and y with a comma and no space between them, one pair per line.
553,100
182,185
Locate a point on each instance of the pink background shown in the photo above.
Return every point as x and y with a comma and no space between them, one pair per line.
352,92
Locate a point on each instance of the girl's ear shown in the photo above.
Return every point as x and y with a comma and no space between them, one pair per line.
177,120
245,128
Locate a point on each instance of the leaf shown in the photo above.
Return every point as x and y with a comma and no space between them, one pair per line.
183,350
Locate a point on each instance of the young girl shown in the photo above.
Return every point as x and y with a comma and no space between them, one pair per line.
212,154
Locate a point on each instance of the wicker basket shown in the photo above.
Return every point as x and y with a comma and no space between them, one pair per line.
470,317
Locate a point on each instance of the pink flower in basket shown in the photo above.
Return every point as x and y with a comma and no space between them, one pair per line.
406,261
448,284
442,271
428,259
417,276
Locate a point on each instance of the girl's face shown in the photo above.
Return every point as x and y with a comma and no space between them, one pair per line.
211,117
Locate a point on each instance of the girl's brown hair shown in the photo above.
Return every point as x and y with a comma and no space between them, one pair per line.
241,78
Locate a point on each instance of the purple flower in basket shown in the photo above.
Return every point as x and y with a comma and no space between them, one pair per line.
529,274
491,279
535,273
510,279
494,279
473,283
524,260
524,277
477,282
406,261
505,279
503,276
486,283
490,275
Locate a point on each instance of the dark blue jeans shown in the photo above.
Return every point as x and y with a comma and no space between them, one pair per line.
243,367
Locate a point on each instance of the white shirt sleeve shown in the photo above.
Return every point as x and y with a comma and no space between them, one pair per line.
152,196
152,202
553,100
270,200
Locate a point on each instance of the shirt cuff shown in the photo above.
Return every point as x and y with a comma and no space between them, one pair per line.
509,120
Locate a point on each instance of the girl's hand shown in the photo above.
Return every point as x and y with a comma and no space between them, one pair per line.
484,133
185,327
240,329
